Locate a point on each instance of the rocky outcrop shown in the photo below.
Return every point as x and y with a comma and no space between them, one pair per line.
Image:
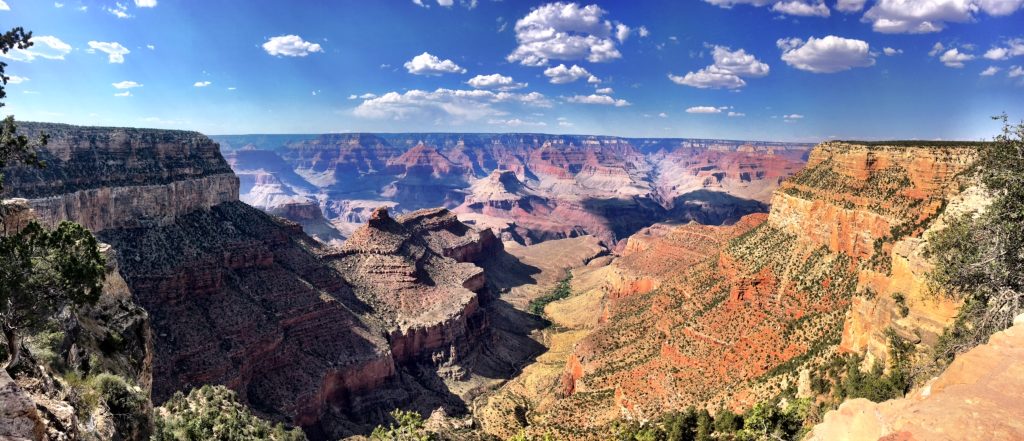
19,419
113,178
976,398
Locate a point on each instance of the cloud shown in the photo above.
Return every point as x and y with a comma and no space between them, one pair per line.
232,88
365,96
1015,71
426,64
1012,48
622,32
703,109
145,3
114,50
955,58
202,83
829,54
643,32
44,46
151,47
290,46
725,73
564,31
14,79
125,93
849,6
604,100
516,122
938,47
663,115
888,51
495,81
736,114
605,91
992,70
924,16
458,105
58,4
120,10
802,8
793,116
126,85
564,75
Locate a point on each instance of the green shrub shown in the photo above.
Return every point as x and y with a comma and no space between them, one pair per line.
408,426
214,413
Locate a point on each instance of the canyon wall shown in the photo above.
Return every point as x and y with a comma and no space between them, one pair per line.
550,186
237,297
729,316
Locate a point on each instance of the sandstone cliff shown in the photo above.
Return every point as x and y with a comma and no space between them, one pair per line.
976,398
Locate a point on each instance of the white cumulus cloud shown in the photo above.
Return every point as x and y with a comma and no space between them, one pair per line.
726,72
703,109
123,94
991,70
114,50
565,31
455,105
829,54
605,91
955,58
427,64
604,100
495,81
1012,48
803,8
888,51
14,79
145,3
736,114
126,85
564,75
849,6
924,16
44,46
290,46
202,83
1015,71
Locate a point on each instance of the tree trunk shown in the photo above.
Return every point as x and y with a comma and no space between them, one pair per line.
13,346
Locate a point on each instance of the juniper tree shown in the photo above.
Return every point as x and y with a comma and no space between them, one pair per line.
41,270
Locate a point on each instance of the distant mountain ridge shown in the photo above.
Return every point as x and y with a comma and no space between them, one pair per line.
582,184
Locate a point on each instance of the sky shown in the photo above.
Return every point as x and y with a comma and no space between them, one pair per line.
785,70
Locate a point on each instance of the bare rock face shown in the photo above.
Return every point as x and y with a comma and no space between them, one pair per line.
976,398
111,178
19,419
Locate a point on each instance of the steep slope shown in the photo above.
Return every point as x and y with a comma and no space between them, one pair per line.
976,398
725,316
240,298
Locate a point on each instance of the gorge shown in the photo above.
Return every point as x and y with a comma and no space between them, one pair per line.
348,298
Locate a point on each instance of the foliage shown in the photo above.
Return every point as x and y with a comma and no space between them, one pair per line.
770,420
43,270
13,147
562,290
979,257
901,303
214,413
408,426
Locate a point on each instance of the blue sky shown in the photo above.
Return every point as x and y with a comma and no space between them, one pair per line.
801,70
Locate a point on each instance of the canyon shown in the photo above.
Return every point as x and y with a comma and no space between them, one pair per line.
329,279
528,188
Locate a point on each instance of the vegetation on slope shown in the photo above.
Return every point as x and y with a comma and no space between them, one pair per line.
979,258
214,413
561,291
